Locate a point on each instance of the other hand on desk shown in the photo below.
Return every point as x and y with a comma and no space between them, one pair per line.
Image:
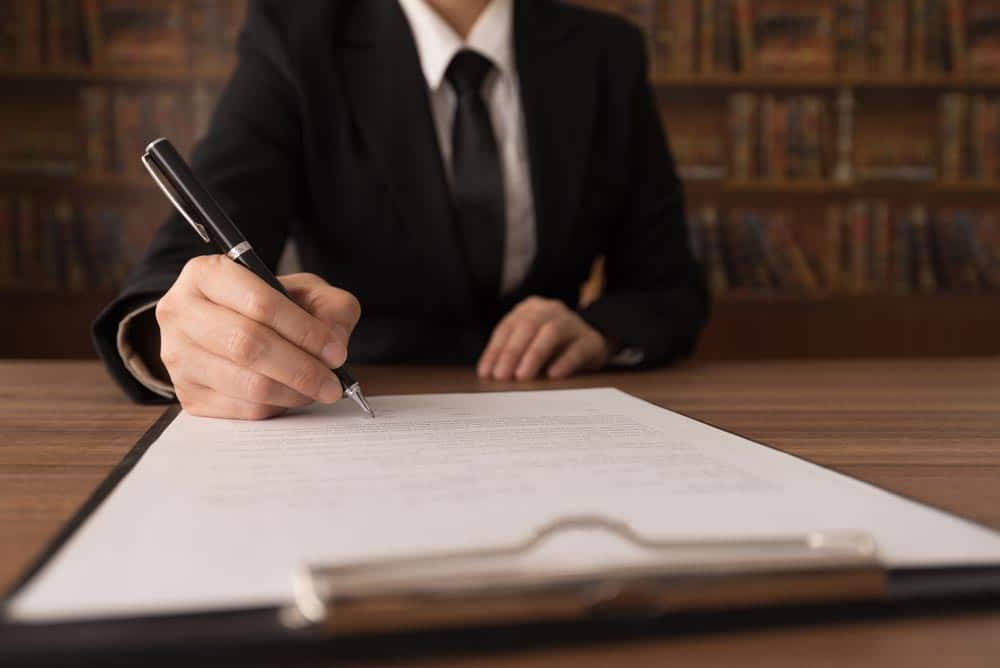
236,348
542,336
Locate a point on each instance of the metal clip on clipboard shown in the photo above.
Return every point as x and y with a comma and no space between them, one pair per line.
483,587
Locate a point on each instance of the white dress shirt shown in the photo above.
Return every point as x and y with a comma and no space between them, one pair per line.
492,37
437,43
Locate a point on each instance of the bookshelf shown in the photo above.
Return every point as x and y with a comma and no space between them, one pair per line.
879,89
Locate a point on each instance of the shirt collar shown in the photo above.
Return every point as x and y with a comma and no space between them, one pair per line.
437,42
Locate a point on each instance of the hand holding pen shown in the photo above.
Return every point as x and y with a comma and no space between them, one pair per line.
237,341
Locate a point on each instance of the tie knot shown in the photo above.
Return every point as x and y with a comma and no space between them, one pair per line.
467,72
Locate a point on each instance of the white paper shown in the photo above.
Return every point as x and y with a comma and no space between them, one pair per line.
218,514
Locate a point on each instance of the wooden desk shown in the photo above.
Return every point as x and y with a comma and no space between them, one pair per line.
928,429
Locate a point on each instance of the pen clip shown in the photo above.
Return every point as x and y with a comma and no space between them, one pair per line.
198,227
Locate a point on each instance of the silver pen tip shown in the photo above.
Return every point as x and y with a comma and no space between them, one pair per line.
355,393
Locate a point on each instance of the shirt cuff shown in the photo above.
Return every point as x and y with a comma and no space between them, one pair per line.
628,357
133,361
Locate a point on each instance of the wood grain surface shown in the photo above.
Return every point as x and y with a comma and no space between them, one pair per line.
927,429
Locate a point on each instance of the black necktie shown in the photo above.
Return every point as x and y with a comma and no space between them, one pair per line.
478,181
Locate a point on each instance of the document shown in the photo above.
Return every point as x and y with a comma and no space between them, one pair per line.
219,514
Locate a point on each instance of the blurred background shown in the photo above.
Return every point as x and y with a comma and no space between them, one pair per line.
840,157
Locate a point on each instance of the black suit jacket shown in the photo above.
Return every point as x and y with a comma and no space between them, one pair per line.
324,135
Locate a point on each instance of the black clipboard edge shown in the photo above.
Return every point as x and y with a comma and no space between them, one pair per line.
93,502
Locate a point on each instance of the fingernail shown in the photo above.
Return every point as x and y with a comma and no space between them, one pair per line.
333,355
331,391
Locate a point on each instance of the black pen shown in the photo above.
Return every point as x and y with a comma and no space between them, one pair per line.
208,219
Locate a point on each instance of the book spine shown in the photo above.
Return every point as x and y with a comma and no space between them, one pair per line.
725,37
976,116
742,114
29,260
965,249
927,282
772,253
798,272
896,37
986,250
767,125
956,31
953,112
93,32
851,30
29,37
707,23
902,259
843,171
718,278
96,122
757,265
832,261
881,250
685,20
918,42
744,31
780,140
990,138
860,233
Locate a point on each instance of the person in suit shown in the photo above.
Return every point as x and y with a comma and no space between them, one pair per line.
453,166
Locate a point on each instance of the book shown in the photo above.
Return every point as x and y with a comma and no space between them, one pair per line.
713,252
20,33
97,138
953,123
852,36
126,33
880,256
859,247
65,41
793,36
211,29
777,139
700,157
981,31
984,135
926,280
743,136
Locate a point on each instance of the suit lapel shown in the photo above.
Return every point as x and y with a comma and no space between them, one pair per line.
390,104
558,93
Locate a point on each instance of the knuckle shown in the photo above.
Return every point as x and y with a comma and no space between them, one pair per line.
164,309
169,355
260,306
245,346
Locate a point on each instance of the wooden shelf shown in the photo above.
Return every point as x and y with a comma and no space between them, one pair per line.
137,74
819,81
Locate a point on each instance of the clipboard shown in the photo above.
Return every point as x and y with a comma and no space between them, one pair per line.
457,592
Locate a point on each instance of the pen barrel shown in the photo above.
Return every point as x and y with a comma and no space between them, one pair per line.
198,200
252,261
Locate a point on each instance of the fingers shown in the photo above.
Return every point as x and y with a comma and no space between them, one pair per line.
509,358
195,366
542,333
232,286
573,359
551,337
498,340
337,309
204,402
249,344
